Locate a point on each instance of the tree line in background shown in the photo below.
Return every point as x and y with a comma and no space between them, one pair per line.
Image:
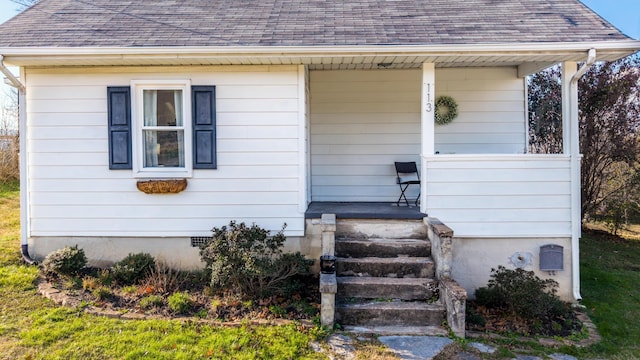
609,120
9,139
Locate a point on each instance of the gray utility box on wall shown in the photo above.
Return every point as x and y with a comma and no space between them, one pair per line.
551,257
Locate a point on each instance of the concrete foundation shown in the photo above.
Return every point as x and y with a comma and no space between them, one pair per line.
177,252
470,264
473,260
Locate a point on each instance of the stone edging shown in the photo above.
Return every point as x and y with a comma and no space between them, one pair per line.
61,298
594,336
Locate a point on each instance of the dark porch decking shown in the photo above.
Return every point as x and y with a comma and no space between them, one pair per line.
364,210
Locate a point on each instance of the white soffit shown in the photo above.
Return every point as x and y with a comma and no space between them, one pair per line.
530,57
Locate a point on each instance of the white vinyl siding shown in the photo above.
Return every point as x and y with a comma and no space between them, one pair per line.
363,121
491,111
500,195
73,192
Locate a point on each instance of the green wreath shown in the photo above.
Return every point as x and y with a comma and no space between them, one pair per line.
450,113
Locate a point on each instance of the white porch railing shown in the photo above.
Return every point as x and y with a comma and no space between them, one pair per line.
520,195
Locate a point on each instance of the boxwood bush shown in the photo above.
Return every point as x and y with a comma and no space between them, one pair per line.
68,261
521,292
247,261
133,268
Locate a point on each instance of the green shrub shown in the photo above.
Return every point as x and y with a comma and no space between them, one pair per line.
105,277
89,283
68,261
102,293
72,283
247,261
180,303
133,268
151,301
129,290
277,310
521,292
472,317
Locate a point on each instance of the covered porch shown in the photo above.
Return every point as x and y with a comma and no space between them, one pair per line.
477,175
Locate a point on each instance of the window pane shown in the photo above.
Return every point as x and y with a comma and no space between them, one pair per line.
163,148
162,107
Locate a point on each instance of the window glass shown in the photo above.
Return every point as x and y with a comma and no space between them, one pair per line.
163,128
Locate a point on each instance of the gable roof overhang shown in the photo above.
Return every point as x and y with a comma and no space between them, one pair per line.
528,57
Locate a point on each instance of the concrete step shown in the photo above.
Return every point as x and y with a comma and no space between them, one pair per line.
395,313
382,247
380,228
397,330
387,288
398,267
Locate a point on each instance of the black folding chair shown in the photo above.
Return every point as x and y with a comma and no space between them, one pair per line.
407,175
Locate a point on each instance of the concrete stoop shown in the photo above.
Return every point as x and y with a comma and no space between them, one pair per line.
394,313
398,330
406,289
397,267
386,278
383,248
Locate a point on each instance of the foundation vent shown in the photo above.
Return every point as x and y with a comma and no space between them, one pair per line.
199,241
551,258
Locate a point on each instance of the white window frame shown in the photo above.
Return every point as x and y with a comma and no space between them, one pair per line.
137,106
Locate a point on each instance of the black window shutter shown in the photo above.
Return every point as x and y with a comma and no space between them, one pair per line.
203,100
119,114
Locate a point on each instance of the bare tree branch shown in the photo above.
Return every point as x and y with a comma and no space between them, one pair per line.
24,4
609,121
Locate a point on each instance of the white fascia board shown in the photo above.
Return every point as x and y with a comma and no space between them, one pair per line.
119,53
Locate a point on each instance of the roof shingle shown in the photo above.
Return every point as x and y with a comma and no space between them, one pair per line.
144,23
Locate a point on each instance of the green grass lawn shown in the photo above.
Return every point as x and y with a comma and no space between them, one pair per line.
32,327
610,273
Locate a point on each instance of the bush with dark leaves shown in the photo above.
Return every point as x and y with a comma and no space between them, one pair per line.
133,268
249,262
521,292
68,261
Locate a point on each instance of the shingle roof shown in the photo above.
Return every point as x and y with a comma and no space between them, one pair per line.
141,23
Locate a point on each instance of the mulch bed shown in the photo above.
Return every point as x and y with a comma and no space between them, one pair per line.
303,303
502,321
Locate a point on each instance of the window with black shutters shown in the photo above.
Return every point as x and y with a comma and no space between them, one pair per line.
162,128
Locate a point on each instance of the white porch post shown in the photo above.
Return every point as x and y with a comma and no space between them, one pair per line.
569,69
428,125
571,147
304,160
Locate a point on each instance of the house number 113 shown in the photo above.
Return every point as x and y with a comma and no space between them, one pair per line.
428,106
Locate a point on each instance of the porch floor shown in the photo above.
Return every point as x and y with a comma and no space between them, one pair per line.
364,210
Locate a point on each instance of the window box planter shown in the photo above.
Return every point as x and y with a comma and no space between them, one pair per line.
167,186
